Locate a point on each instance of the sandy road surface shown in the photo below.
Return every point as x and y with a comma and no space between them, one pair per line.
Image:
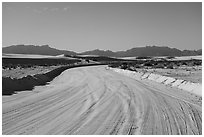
93,100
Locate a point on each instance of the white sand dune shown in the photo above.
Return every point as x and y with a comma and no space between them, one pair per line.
198,57
188,58
34,56
88,55
94,100
25,56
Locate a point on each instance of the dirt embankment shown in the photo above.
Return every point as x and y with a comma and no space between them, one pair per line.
191,87
11,85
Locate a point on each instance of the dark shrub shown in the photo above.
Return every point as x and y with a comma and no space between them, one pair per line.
143,57
114,65
124,65
197,63
159,65
184,63
170,57
170,66
148,64
137,66
87,60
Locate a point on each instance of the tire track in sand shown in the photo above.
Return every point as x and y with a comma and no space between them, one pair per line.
93,100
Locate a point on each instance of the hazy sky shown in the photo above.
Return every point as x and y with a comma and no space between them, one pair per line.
110,26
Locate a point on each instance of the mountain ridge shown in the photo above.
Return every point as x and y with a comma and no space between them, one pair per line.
137,51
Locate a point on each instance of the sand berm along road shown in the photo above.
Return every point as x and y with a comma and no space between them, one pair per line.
93,100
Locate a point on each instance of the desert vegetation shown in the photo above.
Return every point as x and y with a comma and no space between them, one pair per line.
13,63
148,64
189,70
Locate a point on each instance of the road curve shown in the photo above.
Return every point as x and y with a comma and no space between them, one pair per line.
93,100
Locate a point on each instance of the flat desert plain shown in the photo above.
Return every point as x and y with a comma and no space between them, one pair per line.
192,74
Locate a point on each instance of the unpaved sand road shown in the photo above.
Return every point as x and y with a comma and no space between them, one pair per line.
93,100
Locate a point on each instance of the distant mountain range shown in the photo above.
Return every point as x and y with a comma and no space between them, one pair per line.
31,49
139,51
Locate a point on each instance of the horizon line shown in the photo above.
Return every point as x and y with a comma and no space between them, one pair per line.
100,49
